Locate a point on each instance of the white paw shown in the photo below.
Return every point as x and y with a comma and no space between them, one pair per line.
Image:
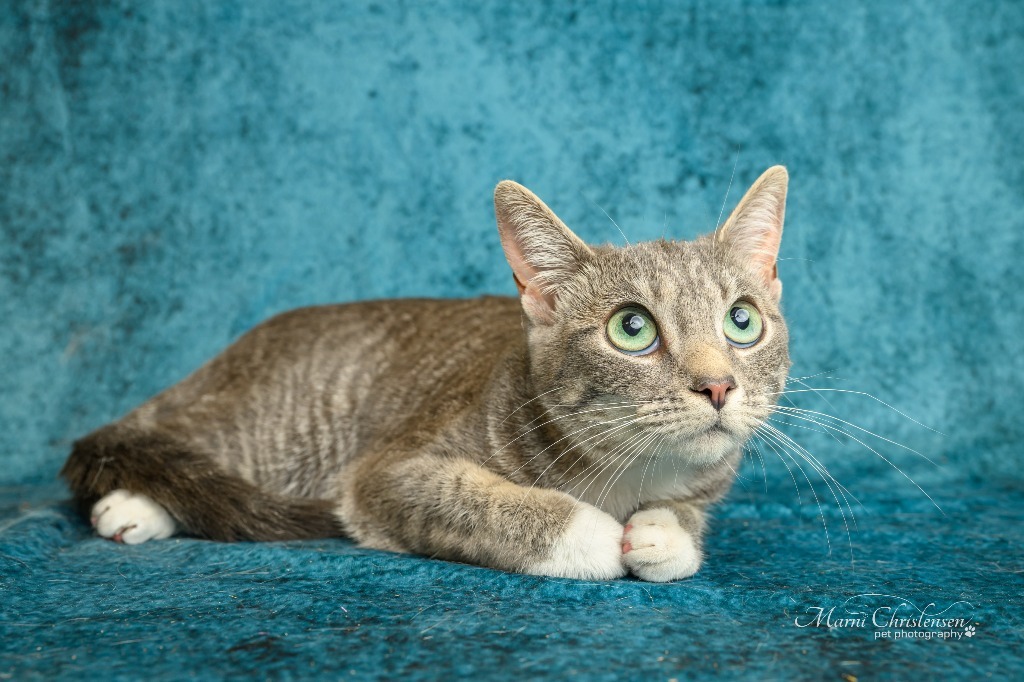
589,548
131,519
657,549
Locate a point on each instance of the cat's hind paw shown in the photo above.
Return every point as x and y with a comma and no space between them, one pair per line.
589,548
657,549
131,518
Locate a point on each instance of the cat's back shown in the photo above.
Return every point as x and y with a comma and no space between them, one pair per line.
386,335
300,394
338,361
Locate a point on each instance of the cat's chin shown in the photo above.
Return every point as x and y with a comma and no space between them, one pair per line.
711,445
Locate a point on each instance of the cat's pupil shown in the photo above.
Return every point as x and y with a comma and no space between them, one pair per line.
632,324
741,318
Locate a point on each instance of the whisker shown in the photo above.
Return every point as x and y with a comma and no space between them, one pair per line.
821,470
760,436
604,435
550,421
822,430
639,450
640,488
533,485
813,376
886,460
862,393
816,392
624,450
588,451
809,455
799,413
782,440
764,469
588,470
814,492
599,406
607,215
620,453
528,402
725,199
634,419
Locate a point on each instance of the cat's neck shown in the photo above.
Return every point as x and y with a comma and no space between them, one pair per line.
588,451
593,452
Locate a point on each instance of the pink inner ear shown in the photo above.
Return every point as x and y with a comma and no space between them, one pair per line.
754,229
538,246
768,268
538,305
522,271
757,242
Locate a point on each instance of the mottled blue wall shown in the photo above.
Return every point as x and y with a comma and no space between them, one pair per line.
174,172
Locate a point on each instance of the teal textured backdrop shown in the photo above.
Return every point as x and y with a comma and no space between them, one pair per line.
174,172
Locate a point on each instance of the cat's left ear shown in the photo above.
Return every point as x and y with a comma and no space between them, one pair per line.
754,230
542,251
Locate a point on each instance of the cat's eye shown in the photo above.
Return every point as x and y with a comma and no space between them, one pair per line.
743,325
632,331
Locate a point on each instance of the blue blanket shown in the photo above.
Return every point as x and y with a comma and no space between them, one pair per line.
173,173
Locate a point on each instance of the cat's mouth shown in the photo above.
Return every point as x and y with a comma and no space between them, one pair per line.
701,435
718,432
709,439
710,444
718,427
685,424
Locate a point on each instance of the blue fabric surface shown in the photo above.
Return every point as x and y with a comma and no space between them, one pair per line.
76,606
173,173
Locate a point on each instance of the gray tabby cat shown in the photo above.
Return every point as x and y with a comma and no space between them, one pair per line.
581,430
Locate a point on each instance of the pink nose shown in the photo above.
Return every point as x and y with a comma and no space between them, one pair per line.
717,390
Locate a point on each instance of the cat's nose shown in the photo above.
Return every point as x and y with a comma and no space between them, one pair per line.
717,390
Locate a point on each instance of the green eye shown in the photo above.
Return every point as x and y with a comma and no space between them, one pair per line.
632,331
743,325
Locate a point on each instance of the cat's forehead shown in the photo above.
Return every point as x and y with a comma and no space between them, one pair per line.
665,271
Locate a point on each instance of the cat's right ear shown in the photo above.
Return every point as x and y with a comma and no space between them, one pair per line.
542,251
754,230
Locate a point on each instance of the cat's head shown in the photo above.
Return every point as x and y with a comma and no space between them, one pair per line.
682,340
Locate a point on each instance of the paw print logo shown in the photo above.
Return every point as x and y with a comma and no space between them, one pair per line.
969,631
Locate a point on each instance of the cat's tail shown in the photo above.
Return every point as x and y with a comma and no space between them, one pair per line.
203,499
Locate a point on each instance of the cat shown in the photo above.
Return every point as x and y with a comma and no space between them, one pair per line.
581,430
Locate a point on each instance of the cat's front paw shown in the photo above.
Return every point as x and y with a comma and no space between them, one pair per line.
657,549
589,548
131,518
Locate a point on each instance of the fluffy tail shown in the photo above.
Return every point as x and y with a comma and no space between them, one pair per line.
202,498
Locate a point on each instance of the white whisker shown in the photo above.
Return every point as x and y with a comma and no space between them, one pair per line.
764,469
814,493
818,467
541,395
785,442
887,461
862,393
798,413
551,421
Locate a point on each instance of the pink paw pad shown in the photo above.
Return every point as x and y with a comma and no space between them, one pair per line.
118,535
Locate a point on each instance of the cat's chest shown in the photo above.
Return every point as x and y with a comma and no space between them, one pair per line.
620,492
